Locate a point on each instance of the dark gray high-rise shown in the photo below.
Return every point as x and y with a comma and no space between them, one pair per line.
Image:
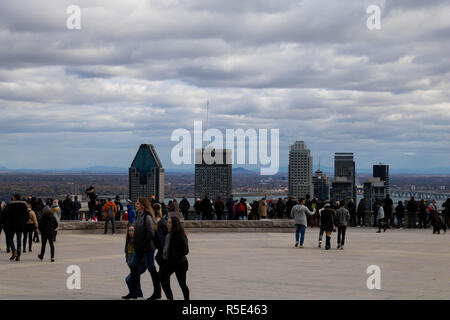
213,178
146,175
382,171
344,183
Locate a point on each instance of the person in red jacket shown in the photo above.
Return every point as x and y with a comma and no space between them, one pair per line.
110,209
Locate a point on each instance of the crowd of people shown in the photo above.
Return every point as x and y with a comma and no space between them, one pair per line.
153,239
25,218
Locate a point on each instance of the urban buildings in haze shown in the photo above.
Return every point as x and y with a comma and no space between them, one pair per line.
213,178
300,171
343,188
146,175
374,189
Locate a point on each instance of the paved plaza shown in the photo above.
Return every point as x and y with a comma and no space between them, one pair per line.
415,264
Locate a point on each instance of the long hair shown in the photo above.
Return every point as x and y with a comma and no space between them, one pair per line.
158,210
127,241
177,227
148,208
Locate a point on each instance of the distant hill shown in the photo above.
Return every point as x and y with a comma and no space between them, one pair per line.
241,170
2,168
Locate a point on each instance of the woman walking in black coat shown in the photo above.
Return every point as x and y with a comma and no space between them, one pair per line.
174,258
47,226
327,221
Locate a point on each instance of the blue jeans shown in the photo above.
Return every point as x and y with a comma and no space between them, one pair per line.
91,213
141,270
242,218
149,259
10,240
197,216
300,228
321,234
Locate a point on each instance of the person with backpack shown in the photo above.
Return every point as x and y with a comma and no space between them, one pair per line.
30,226
144,249
174,259
47,225
111,211
131,212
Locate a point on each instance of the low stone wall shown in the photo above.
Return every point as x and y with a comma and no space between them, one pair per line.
274,225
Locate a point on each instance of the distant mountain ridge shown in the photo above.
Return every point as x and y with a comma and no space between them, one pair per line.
238,170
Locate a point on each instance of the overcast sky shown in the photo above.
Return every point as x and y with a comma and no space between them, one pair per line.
137,70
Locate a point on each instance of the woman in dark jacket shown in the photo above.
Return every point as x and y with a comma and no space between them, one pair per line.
327,221
174,258
129,252
47,226
144,249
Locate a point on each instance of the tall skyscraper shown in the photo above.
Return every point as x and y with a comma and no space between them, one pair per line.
146,175
321,186
213,179
300,171
344,183
382,171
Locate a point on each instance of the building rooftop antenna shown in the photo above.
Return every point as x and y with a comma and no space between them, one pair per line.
207,109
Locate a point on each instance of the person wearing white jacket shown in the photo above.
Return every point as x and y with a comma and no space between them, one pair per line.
380,218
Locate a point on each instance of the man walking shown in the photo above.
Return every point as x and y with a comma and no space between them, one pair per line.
342,221
299,213
111,211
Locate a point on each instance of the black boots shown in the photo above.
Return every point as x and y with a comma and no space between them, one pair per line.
328,243
156,284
